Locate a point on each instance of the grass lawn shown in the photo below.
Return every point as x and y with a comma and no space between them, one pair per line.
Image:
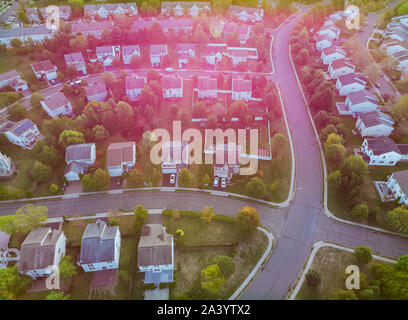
331,263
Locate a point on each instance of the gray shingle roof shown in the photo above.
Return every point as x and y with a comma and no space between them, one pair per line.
402,179
79,152
155,246
380,145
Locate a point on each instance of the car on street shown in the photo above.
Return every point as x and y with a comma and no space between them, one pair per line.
172,178
170,70
223,183
377,84
216,180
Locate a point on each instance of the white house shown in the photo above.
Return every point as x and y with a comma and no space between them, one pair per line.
181,8
332,31
323,42
96,91
64,12
246,14
104,10
35,33
214,52
227,160
240,54
76,59
350,82
339,67
155,254
172,87
175,156
32,15
331,54
57,105
185,52
92,28
108,54
128,52
177,25
403,64
380,151
13,79
157,52
398,184
393,46
120,158
134,86
78,158
241,89
23,133
100,247
41,252
374,124
361,101
45,69
207,88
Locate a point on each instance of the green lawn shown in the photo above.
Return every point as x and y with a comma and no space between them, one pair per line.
331,263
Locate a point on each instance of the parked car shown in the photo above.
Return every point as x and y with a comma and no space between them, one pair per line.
377,84
172,178
170,70
223,183
216,180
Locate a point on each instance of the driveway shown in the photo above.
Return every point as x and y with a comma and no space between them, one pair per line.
73,187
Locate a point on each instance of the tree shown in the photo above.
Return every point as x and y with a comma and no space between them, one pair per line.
101,179
135,179
71,72
360,211
100,133
247,220
206,180
49,155
57,296
207,214
398,219
29,217
335,154
313,278
67,268
363,254
155,177
255,188
212,278
135,62
302,57
226,265
239,108
346,295
54,188
35,99
400,110
12,283
371,72
17,112
141,217
185,178
109,78
41,172
279,144
402,263
70,137
220,7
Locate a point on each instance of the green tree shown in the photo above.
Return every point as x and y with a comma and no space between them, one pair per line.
247,220
226,265
101,179
346,295
360,211
155,177
41,172
279,144
57,296
206,180
29,217
12,283
400,110
17,112
335,154
67,268
313,278
398,219
54,188
70,137
185,178
100,133
212,278
402,263
141,217
255,188
135,178
49,155
207,214
35,99
363,254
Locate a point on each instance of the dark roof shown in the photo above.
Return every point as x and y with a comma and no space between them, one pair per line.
342,62
98,243
45,65
118,153
9,75
375,118
350,78
155,246
362,96
75,167
94,89
134,82
91,26
380,145
22,126
22,32
207,83
79,152
55,101
402,179
75,57
241,85
172,82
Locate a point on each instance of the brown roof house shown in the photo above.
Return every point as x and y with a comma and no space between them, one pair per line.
41,252
207,88
96,91
57,105
78,158
120,157
45,69
156,254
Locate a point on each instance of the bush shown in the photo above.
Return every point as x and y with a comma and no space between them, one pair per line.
313,278
54,188
226,265
363,254
360,211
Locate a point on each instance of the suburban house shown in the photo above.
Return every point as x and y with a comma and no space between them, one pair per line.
100,247
108,54
339,67
397,183
402,58
134,86
41,251
155,254
374,124
56,105
185,24
172,87
13,79
350,82
332,31
246,14
76,59
157,52
182,8
323,42
78,158
35,33
243,31
381,151
239,54
207,88
175,156
185,51
64,12
227,160
120,158
128,52
45,69
241,89
214,51
23,133
92,28
96,91
393,46
105,10
331,54
361,101
32,15
142,24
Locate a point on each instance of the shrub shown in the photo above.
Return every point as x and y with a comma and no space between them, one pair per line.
363,254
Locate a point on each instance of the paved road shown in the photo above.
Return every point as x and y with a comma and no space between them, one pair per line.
295,228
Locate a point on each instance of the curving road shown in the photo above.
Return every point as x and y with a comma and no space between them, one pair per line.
295,228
